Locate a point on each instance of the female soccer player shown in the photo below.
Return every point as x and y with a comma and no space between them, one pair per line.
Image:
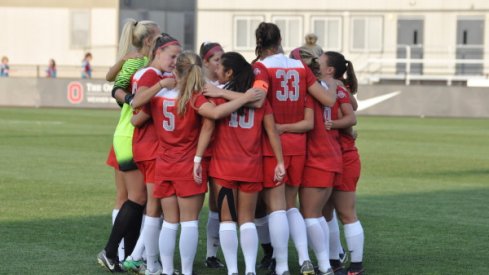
145,143
286,83
183,137
236,164
129,181
334,66
210,53
322,164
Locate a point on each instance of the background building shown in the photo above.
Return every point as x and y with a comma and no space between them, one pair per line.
33,31
386,40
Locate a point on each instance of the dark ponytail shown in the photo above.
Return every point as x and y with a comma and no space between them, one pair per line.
351,78
242,77
267,36
342,66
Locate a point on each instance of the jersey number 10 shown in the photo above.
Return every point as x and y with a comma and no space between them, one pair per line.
242,121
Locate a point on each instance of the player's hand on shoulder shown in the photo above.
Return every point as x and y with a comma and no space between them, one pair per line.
254,94
211,90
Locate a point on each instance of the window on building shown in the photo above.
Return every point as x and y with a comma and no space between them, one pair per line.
291,31
80,29
244,31
366,33
328,31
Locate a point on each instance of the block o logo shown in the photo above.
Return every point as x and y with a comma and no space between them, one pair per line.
75,92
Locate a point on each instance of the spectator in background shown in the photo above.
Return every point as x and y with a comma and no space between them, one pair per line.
4,67
86,71
311,40
51,70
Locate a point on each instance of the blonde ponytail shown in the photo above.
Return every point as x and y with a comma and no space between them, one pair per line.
133,34
125,42
189,70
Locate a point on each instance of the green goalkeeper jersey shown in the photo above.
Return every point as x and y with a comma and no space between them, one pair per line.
124,131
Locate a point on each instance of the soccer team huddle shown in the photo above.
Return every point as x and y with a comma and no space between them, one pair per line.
271,142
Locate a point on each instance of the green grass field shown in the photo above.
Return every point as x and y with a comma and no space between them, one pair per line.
422,198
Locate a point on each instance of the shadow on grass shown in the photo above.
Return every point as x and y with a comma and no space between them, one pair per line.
427,233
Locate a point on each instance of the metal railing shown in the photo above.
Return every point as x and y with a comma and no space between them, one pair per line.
443,69
63,71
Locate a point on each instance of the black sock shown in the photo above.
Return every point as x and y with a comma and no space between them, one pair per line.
268,249
335,263
132,236
128,215
356,267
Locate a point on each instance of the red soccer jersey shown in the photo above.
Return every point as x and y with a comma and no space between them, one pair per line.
237,147
323,146
145,141
177,135
286,81
347,142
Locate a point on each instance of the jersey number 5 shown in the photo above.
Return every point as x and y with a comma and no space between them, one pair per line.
241,121
286,77
169,117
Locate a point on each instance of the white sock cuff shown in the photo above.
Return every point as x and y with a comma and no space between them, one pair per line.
114,214
261,221
227,226
278,212
311,221
190,224
152,221
291,211
172,226
353,229
248,225
213,215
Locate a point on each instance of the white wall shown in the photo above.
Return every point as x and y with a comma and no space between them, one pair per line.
34,35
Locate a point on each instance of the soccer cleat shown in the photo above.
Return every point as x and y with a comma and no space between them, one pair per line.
340,271
343,257
275,273
307,268
250,273
110,264
136,266
361,272
265,262
149,272
329,272
213,262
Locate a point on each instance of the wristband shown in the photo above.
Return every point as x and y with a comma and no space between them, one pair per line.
128,98
197,159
